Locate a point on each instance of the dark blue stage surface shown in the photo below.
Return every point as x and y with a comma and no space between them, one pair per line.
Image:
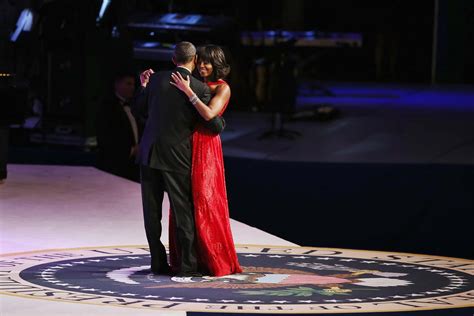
394,171
391,96
378,123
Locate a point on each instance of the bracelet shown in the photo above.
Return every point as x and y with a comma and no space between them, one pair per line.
194,99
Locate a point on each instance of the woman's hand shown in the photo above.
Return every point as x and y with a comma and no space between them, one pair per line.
181,83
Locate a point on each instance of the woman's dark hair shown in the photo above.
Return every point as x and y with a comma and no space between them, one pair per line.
214,55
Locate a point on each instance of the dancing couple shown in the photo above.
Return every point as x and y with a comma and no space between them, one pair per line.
181,153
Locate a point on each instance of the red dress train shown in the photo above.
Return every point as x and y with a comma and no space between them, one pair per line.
214,243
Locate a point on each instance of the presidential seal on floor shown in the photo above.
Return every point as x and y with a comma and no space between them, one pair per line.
286,280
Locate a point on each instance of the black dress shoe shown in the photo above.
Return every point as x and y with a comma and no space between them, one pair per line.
165,270
188,274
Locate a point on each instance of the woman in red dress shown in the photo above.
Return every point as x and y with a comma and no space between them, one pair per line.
214,242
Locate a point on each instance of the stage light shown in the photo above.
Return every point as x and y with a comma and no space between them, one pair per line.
270,34
24,23
103,9
175,18
150,44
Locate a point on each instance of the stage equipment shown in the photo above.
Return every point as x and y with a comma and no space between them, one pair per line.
154,35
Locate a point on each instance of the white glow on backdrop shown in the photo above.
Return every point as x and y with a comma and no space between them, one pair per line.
103,8
24,23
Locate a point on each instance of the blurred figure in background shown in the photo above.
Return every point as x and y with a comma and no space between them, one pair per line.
118,131
3,151
12,111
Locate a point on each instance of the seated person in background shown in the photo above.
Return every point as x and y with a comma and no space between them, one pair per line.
118,131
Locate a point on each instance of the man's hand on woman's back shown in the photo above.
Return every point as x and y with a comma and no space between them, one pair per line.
145,77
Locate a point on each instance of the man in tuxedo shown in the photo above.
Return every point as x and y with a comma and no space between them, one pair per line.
165,157
118,131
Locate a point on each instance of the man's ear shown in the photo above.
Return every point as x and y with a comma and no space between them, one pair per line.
195,59
173,60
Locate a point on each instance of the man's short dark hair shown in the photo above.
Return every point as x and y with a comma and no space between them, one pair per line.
184,52
124,73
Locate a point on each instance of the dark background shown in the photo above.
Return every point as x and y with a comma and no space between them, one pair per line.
68,67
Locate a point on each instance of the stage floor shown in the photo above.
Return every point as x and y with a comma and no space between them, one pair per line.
378,123
72,243
48,207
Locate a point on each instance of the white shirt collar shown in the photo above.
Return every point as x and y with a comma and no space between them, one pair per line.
120,97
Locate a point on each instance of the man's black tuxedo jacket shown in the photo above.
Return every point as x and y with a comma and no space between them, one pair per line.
115,138
170,122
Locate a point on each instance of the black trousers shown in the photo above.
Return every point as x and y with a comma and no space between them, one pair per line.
154,183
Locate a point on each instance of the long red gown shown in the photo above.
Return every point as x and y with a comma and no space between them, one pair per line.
214,243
